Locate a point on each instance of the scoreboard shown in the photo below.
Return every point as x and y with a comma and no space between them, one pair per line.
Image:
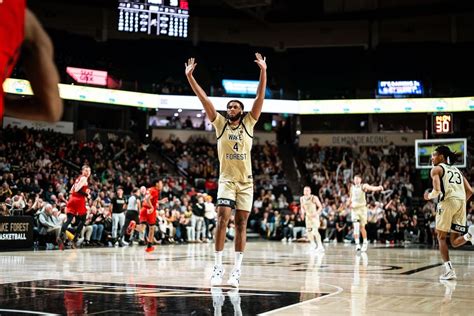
155,17
442,124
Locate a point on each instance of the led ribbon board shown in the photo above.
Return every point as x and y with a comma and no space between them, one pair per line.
304,107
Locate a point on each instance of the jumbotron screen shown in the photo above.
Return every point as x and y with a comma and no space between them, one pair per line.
155,17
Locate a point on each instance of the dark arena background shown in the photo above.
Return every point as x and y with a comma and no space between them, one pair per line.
357,95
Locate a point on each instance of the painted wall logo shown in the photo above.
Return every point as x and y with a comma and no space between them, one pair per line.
360,140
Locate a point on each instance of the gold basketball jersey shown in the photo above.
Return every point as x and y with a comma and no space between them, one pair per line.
233,148
358,196
309,206
452,183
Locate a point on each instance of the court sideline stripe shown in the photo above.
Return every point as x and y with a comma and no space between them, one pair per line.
339,290
410,272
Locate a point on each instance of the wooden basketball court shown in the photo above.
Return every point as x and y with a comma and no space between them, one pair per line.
277,279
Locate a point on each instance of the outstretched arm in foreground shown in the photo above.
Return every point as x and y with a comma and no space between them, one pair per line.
42,74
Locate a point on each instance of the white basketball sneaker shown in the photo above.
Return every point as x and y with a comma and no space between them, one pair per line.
448,275
470,231
364,247
358,247
234,279
217,275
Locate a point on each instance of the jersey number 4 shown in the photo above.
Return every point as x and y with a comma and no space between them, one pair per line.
236,147
458,179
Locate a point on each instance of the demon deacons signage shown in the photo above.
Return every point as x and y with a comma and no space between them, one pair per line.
16,232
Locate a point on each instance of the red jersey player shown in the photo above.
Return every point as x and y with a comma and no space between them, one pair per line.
76,206
148,211
20,30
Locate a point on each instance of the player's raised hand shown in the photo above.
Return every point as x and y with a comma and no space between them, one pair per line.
261,61
189,66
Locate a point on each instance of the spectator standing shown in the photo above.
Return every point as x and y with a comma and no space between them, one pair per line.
117,207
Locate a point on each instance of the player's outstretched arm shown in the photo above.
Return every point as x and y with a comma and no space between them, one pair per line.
42,74
200,93
262,85
372,188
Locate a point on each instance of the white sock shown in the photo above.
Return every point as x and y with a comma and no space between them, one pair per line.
238,259
218,258
365,241
448,266
356,232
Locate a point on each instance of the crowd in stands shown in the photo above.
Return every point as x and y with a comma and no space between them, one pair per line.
395,215
38,168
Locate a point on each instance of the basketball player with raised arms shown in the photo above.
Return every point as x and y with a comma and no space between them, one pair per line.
452,191
234,142
76,205
312,208
359,209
